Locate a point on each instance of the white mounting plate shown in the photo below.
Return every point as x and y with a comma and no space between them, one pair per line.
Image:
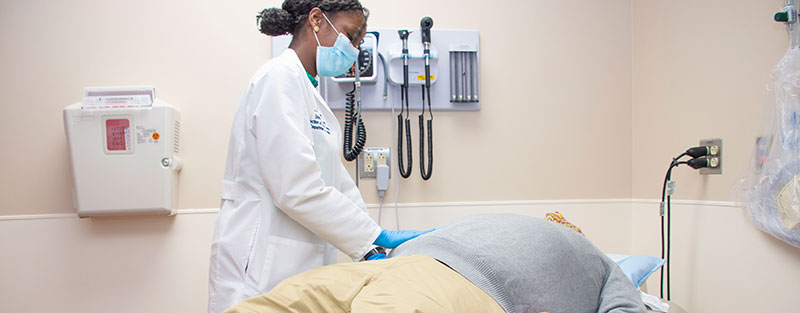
372,94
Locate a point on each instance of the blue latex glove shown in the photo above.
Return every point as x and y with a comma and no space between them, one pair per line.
393,238
377,256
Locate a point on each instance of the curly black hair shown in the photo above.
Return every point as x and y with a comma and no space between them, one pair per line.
285,20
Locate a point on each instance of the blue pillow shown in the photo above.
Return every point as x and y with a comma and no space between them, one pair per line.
637,267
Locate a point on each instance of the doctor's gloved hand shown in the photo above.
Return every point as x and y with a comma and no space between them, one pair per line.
377,256
393,238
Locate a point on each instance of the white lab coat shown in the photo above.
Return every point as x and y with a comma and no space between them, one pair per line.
287,199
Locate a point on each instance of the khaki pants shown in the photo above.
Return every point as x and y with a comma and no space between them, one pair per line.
404,284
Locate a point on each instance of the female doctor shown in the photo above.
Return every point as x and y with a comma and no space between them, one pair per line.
287,201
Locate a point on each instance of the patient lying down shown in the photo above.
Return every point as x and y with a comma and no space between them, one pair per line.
484,263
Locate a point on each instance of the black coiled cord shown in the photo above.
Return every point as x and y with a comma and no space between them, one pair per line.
351,117
405,169
426,174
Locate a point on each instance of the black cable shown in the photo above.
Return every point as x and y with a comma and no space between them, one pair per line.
662,213
426,174
669,235
351,150
698,161
425,26
405,171
669,229
661,287
673,164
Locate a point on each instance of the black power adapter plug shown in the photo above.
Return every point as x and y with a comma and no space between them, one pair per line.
696,152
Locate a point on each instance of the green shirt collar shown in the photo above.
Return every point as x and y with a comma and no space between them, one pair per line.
313,80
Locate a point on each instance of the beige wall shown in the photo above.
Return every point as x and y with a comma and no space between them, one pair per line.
700,70
160,264
604,85
200,54
720,261
553,79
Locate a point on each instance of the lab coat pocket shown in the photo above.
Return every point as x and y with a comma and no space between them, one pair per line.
287,257
251,248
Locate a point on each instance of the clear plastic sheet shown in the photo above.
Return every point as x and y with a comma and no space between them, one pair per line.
770,188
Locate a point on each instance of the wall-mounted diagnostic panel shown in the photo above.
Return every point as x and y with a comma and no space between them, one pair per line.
453,58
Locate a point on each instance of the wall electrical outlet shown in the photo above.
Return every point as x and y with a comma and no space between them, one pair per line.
370,158
714,156
369,163
381,159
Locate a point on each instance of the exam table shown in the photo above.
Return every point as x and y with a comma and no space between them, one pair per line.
490,263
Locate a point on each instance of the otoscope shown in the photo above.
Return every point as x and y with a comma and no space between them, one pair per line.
425,24
404,171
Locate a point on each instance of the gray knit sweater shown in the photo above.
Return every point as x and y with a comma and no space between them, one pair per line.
529,265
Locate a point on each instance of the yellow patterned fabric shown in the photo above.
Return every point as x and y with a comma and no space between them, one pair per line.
556,217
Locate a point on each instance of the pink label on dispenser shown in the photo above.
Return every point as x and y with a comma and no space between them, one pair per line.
117,134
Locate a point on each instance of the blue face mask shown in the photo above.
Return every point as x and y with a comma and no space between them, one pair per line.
336,60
